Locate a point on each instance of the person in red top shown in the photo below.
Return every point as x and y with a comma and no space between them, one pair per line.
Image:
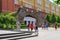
31,26
56,26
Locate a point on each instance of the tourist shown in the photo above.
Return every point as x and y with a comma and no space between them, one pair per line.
18,25
36,30
46,26
56,26
31,26
28,27
42,25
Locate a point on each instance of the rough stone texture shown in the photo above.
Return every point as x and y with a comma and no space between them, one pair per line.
39,16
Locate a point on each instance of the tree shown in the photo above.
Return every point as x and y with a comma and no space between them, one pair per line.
48,18
53,18
58,19
57,2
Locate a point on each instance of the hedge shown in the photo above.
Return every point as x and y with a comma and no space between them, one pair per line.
7,21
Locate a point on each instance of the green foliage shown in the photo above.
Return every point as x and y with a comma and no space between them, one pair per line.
58,19
57,2
7,21
48,18
4,26
53,18
23,25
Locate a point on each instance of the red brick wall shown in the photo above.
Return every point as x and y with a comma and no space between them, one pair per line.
4,6
0,5
9,6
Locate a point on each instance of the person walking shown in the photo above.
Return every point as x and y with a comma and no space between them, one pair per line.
36,30
47,26
31,26
28,27
42,25
56,26
18,26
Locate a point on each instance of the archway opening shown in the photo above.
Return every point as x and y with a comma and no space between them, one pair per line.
29,19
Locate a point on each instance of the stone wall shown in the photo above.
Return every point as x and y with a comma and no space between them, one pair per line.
39,16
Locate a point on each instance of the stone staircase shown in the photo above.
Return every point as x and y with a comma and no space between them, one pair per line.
14,36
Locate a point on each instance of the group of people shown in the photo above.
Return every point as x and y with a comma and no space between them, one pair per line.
31,26
45,25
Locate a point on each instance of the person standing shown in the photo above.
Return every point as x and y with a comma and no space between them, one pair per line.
42,25
28,27
18,26
31,26
56,26
36,30
47,26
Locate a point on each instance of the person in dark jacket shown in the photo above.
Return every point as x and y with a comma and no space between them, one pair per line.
46,25
36,30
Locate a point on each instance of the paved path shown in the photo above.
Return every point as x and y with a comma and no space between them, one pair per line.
49,34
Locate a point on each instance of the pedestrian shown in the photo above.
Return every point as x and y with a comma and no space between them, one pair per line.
31,26
18,26
46,26
36,30
28,27
56,26
42,25
35,27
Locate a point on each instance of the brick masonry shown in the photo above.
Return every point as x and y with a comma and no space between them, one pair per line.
0,5
8,6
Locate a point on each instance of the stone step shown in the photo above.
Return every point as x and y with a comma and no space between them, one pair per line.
3,36
24,34
23,37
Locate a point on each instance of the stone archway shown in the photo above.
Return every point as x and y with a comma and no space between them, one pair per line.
29,19
21,13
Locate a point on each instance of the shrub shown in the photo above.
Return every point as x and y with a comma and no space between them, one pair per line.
48,18
53,18
58,19
23,25
4,26
7,21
